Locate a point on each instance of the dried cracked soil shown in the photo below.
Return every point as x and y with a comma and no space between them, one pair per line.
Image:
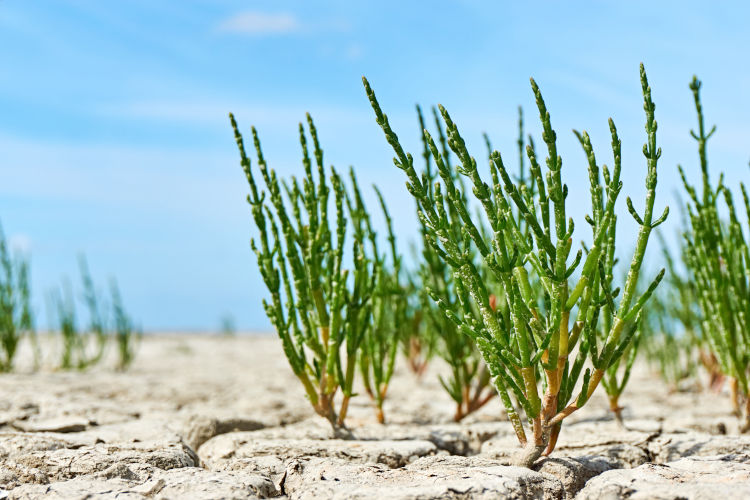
223,418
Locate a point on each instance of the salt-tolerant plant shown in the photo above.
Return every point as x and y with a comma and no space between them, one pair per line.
62,302
227,325
97,321
421,342
678,298
84,348
468,381
615,378
319,308
681,308
535,343
718,256
124,331
667,350
15,304
390,306
671,328
77,344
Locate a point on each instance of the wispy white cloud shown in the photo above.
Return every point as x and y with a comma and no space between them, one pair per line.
256,23
20,242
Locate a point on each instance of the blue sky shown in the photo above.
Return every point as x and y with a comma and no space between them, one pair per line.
114,139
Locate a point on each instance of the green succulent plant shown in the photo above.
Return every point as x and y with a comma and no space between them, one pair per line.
321,303
526,342
16,318
717,255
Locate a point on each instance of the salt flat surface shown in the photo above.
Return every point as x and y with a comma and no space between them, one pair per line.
223,417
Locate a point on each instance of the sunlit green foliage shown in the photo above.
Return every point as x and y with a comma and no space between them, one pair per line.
526,342
107,322
718,257
391,310
468,382
321,303
96,327
125,334
15,306
672,339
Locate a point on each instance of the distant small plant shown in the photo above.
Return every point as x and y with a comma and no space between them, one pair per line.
15,304
667,351
73,348
227,325
671,328
390,305
97,321
318,306
535,341
82,349
718,257
124,331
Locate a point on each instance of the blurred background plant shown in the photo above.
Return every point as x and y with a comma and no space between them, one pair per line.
391,320
124,331
79,349
227,325
671,338
468,381
107,323
717,256
16,319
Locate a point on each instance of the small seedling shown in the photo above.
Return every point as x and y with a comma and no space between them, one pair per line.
227,325
535,342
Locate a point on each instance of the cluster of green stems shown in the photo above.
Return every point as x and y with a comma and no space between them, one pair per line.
80,350
334,308
108,322
468,381
717,255
527,342
16,319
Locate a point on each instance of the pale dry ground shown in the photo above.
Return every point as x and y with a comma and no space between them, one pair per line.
215,417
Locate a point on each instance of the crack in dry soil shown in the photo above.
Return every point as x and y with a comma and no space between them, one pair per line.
151,433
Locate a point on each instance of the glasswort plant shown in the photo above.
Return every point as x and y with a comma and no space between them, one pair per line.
468,382
94,304
390,308
318,307
535,341
718,257
125,333
82,349
15,303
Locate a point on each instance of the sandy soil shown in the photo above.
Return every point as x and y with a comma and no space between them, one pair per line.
216,417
